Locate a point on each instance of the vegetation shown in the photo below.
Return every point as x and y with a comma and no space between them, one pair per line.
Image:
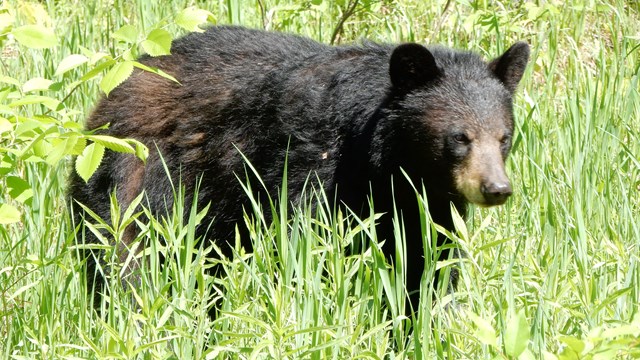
553,274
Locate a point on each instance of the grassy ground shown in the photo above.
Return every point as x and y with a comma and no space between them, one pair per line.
553,274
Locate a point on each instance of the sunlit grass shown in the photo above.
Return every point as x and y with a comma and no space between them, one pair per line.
564,251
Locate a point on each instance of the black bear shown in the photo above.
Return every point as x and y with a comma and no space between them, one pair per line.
352,116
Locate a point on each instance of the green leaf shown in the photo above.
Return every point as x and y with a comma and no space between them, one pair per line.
158,43
142,152
89,161
610,352
97,69
70,145
9,80
115,144
5,125
25,126
36,84
527,355
33,12
129,54
155,71
19,189
484,331
574,344
459,223
56,153
9,214
622,330
191,17
94,58
6,164
6,22
127,33
122,145
516,337
49,102
70,62
35,36
116,76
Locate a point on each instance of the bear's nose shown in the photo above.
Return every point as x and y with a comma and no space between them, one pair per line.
496,193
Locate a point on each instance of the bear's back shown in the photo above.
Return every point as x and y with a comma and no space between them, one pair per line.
238,43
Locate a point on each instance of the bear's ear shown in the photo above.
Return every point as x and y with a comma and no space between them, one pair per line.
412,65
510,66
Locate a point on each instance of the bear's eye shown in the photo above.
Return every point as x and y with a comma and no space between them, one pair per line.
461,138
505,139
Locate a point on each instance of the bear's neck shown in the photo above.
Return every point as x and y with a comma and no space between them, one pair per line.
377,158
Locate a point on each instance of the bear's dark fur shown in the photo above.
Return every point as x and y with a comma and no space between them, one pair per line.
352,115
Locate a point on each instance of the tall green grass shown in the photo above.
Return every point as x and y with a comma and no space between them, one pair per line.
553,274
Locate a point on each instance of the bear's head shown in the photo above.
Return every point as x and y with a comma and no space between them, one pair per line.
457,119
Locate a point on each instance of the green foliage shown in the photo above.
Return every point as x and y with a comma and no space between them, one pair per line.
118,73
516,336
602,342
191,18
44,128
9,214
35,36
553,274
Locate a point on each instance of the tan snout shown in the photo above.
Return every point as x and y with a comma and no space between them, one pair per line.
495,191
482,178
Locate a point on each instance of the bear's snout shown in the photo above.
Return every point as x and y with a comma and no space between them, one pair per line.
496,193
